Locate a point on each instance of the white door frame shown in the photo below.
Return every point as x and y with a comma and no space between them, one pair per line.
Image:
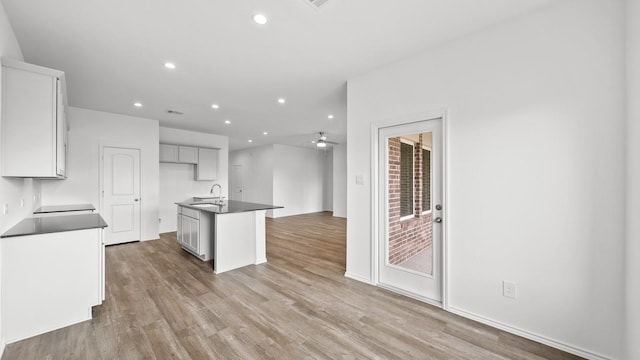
375,203
101,176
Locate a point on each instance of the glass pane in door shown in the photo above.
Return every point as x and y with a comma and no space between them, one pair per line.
410,237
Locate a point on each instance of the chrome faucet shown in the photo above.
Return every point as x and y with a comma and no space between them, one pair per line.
219,191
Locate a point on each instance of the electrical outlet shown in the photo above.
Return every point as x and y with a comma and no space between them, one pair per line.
509,289
21,202
5,209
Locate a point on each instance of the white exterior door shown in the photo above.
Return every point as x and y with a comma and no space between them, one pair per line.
121,194
410,209
236,186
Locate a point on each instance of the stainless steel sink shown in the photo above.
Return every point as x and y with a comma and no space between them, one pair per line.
206,204
199,198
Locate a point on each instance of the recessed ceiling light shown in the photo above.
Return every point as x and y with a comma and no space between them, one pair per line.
227,122
137,104
282,101
330,116
260,19
313,141
215,106
169,65
250,140
265,133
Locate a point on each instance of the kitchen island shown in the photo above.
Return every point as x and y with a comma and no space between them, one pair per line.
231,233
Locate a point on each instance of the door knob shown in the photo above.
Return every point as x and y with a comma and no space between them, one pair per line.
438,207
136,199
437,220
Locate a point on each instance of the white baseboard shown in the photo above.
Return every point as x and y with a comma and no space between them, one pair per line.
496,324
528,335
358,278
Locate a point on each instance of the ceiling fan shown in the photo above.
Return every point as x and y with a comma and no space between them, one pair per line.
322,141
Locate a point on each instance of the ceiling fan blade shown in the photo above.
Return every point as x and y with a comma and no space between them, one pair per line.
332,142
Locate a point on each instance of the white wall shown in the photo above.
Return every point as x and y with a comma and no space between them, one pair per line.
89,130
297,180
536,175
289,176
256,171
177,182
11,190
327,181
340,180
633,179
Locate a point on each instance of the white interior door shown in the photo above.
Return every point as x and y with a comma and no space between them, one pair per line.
410,210
236,187
121,194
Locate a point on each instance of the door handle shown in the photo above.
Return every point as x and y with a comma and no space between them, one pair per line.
136,199
437,220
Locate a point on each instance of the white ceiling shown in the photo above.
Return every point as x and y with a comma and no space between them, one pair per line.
113,54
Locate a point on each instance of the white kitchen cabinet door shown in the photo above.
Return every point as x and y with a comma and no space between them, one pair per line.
33,121
187,155
190,234
168,153
207,168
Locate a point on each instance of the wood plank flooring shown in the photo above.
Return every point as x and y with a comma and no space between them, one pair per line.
163,303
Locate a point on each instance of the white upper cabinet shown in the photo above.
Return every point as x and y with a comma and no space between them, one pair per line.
205,159
187,155
168,153
207,168
178,154
34,123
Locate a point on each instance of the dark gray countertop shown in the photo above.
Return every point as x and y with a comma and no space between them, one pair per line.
229,207
64,208
53,224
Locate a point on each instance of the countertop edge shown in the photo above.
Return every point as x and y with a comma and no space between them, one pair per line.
55,224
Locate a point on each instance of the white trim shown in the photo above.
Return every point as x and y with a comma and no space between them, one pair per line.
527,334
375,223
444,261
408,217
358,278
410,295
413,179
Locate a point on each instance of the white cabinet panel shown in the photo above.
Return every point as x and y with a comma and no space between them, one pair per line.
195,229
207,168
34,129
168,153
50,281
187,155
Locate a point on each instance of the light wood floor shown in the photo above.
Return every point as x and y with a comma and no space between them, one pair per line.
163,303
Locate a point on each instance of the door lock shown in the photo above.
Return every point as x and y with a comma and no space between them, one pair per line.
437,220
438,207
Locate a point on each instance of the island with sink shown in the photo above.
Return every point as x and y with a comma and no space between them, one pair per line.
229,232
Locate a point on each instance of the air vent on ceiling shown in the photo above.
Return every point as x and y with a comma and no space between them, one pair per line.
174,112
316,3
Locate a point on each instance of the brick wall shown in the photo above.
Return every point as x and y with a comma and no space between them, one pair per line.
407,237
